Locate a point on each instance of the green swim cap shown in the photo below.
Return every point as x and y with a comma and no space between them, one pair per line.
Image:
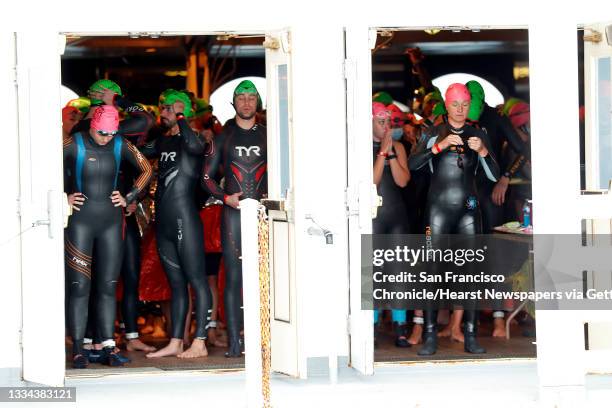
439,109
509,104
170,96
382,97
477,104
248,87
82,104
102,84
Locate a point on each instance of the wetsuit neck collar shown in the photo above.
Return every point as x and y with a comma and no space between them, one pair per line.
454,130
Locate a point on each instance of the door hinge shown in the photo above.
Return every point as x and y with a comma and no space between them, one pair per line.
348,68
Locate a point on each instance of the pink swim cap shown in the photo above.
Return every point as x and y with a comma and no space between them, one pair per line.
379,110
456,92
105,118
519,114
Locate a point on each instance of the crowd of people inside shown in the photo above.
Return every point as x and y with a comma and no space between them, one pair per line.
448,165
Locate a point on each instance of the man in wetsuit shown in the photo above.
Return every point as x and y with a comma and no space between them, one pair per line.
95,157
179,231
134,128
241,150
455,152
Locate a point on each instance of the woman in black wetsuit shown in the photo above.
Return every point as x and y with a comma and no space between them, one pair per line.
390,176
95,157
454,152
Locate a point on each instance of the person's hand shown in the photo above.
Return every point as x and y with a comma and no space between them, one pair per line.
415,55
498,196
118,199
75,200
475,143
386,144
233,200
105,95
450,140
130,209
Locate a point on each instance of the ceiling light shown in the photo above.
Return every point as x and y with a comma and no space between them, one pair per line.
432,31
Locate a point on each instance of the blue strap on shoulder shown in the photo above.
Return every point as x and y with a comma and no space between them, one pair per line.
79,160
117,151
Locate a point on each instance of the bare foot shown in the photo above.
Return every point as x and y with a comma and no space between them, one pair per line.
138,345
457,335
445,332
499,328
174,348
197,349
416,335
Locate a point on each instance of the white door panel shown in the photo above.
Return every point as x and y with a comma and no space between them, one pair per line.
38,76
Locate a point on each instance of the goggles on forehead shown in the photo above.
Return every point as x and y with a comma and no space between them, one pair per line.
104,133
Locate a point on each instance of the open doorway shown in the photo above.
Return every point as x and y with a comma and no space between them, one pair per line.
143,65
411,70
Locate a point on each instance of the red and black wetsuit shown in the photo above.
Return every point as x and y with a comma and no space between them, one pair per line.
243,155
98,224
179,231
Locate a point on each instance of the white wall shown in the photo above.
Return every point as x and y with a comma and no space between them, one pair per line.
10,282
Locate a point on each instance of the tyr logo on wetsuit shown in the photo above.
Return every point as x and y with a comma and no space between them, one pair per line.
248,150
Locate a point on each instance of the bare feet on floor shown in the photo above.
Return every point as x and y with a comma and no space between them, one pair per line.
197,349
138,345
416,335
454,332
499,328
174,348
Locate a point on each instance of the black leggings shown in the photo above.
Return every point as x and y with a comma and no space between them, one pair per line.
230,239
130,272
180,243
99,225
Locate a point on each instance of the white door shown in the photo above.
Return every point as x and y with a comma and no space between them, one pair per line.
361,192
41,199
598,172
283,311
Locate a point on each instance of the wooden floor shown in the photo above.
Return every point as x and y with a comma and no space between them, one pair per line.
215,360
517,346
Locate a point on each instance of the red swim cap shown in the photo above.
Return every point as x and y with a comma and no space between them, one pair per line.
456,92
397,116
105,118
379,110
519,114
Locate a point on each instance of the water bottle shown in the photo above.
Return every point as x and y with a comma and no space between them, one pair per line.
527,213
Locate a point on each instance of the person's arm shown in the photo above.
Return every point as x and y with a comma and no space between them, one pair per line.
211,167
75,199
424,151
479,142
416,58
379,161
398,162
132,155
515,143
137,123
193,142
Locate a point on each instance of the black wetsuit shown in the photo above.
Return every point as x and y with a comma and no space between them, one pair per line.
98,224
452,206
179,231
243,155
499,130
134,128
